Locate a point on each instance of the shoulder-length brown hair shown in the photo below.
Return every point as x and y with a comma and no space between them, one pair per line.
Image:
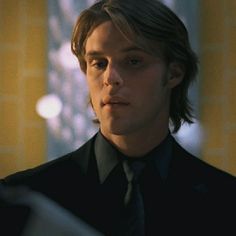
148,24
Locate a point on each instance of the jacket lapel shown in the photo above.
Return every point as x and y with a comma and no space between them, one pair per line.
185,172
83,155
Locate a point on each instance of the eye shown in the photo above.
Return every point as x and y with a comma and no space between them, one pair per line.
99,64
134,61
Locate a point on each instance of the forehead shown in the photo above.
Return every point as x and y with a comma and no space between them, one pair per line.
107,37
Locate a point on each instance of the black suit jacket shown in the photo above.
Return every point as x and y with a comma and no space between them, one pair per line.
196,197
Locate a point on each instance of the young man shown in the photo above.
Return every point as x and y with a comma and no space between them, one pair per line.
139,64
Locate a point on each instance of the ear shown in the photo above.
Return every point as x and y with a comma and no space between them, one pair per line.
176,72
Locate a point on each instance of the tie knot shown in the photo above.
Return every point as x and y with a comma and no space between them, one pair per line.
133,169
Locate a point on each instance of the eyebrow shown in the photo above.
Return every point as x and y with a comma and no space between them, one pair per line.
94,53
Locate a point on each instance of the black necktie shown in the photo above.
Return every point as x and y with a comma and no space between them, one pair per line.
133,219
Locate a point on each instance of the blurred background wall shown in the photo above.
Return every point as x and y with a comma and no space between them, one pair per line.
24,79
218,82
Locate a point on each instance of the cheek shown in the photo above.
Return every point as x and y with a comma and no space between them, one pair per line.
93,86
94,93
152,91
150,85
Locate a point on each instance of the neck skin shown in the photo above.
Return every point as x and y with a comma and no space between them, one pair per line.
139,143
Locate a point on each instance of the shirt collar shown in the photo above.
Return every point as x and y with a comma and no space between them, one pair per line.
107,156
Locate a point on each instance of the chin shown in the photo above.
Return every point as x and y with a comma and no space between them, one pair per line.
114,129
118,129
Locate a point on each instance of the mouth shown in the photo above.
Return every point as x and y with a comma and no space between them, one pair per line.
114,102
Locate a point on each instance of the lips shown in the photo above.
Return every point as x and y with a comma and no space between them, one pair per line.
115,100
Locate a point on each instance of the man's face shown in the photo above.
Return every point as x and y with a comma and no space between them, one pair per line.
127,85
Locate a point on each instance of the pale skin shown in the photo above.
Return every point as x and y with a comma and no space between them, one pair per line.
129,90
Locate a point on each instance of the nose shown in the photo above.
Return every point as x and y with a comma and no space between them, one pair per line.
112,76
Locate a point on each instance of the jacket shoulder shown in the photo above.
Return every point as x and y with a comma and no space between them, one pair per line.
74,163
200,171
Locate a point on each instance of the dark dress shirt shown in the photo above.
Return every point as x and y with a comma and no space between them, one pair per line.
107,157
155,172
